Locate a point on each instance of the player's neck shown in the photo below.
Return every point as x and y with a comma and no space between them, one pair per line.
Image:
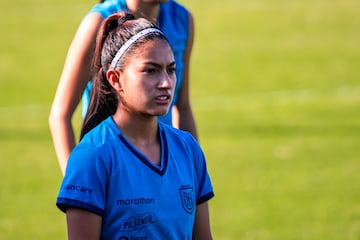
150,11
138,128
143,134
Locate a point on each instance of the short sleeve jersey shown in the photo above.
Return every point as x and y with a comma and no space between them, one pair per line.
173,20
108,176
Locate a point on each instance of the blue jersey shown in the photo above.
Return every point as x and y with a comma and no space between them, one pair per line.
173,20
108,176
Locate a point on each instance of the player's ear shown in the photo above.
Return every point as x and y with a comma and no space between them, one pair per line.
113,77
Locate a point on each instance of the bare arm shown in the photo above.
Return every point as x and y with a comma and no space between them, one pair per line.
182,113
202,223
83,225
73,80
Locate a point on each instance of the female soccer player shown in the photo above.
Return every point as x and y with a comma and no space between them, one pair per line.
177,24
132,176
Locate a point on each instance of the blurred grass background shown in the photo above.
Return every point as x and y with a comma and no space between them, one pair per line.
275,88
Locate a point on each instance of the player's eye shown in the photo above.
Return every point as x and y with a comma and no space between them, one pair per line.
171,70
149,70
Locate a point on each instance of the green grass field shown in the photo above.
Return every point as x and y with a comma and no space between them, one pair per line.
275,88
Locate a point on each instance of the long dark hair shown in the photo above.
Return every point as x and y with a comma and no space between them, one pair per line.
113,33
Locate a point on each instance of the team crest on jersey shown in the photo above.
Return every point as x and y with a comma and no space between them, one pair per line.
187,198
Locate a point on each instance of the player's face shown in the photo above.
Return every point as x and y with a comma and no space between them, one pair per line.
148,79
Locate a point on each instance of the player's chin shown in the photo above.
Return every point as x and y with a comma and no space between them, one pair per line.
161,111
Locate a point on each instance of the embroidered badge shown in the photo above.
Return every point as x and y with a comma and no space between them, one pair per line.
187,198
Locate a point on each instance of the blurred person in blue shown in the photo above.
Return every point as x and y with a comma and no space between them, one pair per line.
133,176
178,26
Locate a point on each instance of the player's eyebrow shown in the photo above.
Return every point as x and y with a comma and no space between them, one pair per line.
155,64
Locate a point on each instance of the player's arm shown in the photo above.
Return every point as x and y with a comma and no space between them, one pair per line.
202,223
82,224
74,77
182,113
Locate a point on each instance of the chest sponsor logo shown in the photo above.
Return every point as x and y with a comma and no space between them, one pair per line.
138,222
187,198
135,201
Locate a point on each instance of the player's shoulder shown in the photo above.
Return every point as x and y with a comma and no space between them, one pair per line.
103,134
109,7
177,136
175,4
174,7
96,147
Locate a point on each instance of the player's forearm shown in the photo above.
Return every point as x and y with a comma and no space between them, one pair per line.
186,120
63,139
188,124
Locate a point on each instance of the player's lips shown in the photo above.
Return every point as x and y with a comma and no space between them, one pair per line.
163,99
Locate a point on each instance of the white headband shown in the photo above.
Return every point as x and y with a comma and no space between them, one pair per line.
131,41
